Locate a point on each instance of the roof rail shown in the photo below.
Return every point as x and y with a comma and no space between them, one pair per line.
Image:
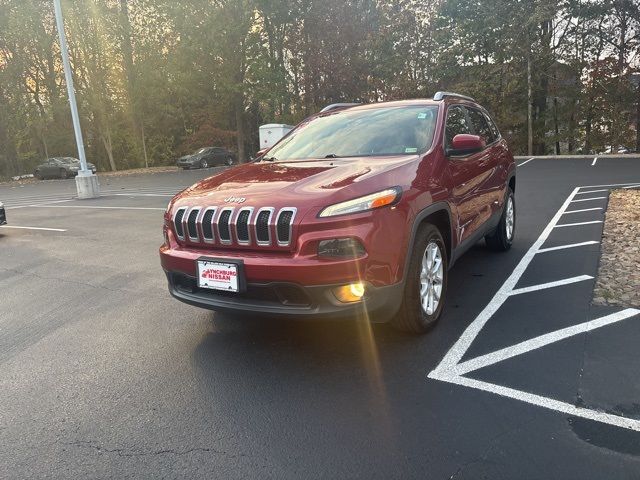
335,106
442,95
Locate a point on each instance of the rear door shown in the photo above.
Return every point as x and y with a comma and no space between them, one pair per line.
467,177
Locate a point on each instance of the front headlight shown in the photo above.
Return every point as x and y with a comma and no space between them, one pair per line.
362,204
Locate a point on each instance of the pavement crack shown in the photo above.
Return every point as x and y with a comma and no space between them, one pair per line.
579,400
491,443
122,452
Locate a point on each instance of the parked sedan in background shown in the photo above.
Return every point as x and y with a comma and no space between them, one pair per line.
3,215
206,157
60,167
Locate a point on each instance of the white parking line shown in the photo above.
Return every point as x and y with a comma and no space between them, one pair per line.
38,204
450,367
526,161
542,340
608,185
587,199
548,403
557,283
632,186
445,370
593,191
578,224
98,206
583,210
34,228
571,245
594,161
144,194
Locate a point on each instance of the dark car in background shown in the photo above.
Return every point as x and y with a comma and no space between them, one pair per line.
60,167
3,215
206,157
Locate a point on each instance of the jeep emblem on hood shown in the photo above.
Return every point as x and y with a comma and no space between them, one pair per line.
235,200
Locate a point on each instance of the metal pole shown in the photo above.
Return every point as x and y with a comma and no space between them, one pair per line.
70,89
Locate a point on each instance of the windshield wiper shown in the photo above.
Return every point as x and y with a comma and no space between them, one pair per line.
332,155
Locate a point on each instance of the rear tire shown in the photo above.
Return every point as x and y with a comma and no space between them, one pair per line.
501,238
425,287
204,164
229,161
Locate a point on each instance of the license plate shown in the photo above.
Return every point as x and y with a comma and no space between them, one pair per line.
219,275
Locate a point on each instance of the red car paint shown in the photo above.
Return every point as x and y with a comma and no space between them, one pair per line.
468,190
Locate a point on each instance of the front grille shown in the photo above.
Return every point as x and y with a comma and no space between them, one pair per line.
214,225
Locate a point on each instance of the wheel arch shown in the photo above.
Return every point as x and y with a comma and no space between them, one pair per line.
439,215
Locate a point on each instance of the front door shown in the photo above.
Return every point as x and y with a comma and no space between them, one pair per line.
468,176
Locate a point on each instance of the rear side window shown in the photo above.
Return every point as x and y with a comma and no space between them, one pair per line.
492,126
481,126
457,123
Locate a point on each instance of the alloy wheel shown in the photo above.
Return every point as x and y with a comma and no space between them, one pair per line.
431,278
509,219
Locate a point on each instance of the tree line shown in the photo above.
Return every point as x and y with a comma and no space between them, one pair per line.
158,78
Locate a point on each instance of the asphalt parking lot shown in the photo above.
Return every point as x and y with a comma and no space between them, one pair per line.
103,375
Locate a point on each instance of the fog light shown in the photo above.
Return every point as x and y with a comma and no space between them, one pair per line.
341,247
349,293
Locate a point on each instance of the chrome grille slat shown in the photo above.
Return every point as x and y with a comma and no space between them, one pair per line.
243,235
207,224
284,225
262,226
177,222
224,225
192,224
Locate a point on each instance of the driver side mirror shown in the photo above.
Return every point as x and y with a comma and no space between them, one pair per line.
465,144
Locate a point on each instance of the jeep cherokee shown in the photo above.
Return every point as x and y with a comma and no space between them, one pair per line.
359,211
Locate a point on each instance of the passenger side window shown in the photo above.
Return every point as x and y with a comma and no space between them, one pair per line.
481,126
457,123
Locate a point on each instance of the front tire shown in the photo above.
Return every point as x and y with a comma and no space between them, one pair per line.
229,161
501,238
204,164
426,283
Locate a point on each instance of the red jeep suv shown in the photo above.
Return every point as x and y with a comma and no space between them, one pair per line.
358,212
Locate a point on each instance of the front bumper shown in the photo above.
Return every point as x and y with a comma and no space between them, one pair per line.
288,300
187,163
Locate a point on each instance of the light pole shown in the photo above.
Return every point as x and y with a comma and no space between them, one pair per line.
86,181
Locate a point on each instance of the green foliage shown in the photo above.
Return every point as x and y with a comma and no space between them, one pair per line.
167,77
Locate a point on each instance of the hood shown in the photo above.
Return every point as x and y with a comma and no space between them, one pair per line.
313,182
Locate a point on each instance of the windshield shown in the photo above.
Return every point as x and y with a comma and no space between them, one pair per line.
361,133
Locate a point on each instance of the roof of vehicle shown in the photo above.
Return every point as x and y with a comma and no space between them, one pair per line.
438,98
